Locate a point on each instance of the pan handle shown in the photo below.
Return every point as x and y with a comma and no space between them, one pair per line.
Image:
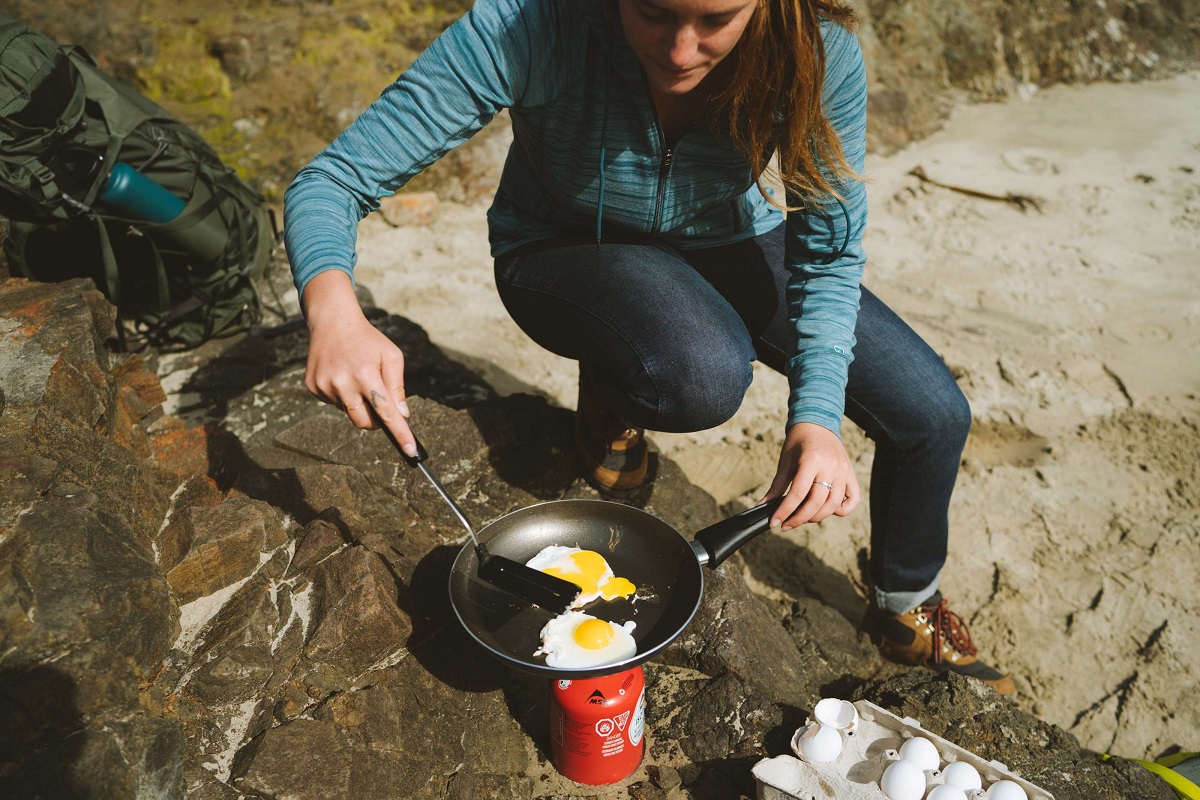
719,541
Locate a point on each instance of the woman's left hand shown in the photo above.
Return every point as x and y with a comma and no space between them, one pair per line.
815,478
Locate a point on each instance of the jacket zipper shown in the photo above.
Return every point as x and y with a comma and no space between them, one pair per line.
665,165
663,171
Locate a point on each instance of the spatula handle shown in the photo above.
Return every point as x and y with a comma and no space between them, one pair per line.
412,461
417,461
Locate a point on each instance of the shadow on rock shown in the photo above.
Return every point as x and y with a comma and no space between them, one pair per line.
222,370
528,699
797,572
529,444
721,779
40,735
438,641
778,740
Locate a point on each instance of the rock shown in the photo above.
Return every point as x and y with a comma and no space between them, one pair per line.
406,735
136,490
184,449
665,777
59,366
409,208
22,480
356,622
75,729
304,758
330,489
254,386
726,718
735,633
240,58
216,547
234,650
489,785
319,539
647,791
834,655
61,400
71,573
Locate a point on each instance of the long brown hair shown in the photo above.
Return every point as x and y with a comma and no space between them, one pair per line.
780,67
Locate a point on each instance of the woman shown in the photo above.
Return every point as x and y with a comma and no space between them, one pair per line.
631,232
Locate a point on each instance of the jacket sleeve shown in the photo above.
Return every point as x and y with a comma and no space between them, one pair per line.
479,65
824,253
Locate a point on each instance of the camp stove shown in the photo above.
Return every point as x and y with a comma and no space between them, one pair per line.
597,726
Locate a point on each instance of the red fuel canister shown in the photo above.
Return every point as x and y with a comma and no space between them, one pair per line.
597,726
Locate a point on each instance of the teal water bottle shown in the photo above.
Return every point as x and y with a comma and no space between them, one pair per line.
136,196
129,192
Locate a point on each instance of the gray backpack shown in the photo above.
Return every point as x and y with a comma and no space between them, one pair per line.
67,131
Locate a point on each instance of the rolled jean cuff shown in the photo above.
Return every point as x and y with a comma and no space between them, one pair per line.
900,602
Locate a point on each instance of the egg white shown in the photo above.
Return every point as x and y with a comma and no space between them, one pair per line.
561,649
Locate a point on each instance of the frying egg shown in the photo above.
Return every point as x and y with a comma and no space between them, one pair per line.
586,569
575,640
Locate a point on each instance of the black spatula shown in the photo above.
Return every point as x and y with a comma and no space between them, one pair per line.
551,593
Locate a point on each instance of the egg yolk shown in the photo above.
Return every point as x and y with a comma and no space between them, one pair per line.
617,587
593,634
585,569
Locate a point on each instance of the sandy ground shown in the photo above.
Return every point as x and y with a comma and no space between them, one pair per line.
1075,333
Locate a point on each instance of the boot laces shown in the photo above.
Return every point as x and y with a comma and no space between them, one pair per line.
950,625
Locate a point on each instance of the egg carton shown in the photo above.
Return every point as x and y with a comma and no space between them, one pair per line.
869,745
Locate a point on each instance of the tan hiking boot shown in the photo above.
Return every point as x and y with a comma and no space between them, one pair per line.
612,455
931,635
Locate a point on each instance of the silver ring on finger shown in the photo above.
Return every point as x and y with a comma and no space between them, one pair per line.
826,484
354,408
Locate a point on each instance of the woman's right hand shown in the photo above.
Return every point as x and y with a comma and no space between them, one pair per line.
350,363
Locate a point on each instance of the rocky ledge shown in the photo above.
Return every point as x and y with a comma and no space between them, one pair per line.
246,598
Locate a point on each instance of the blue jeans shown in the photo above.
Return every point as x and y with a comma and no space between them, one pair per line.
666,338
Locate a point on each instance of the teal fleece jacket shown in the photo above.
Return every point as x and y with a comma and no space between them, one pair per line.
588,157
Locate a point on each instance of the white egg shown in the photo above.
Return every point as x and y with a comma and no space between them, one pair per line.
574,640
921,752
946,792
840,714
903,780
817,743
962,775
585,568
1006,790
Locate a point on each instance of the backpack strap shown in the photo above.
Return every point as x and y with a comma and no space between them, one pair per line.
14,246
112,278
111,150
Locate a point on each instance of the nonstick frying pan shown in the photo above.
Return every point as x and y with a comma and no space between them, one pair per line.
666,568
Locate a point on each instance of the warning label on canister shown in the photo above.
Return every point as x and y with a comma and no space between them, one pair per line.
613,745
638,725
